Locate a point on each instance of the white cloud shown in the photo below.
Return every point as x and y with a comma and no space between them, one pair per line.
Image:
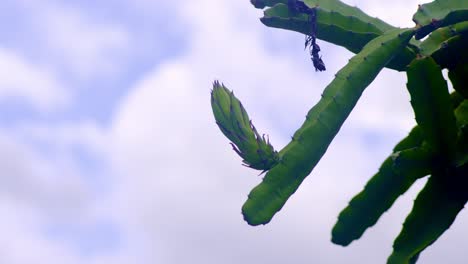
85,45
64,136
34,191
31,179
48,195
72,38
38,85
385,105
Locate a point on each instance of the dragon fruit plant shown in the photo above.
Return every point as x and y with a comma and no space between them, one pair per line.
437,147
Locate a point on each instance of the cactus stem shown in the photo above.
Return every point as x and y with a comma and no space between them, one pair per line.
435,22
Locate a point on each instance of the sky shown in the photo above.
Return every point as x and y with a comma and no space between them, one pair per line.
110,153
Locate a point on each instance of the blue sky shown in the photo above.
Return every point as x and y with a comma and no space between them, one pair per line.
110,153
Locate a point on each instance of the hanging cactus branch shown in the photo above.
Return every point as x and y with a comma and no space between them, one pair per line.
437,147
322,123
395,177
411,160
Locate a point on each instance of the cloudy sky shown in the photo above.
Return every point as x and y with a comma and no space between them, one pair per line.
110,154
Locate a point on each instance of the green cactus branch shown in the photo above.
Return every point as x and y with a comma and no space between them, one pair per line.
452,52
459,77
411,160
322,123
395,177
414,139
439,13
456,99
462,115
437,146
431,102
437,39
331,27
333,6
461,157
434,211
339,28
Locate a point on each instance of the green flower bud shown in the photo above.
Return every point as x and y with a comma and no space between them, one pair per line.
231,117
